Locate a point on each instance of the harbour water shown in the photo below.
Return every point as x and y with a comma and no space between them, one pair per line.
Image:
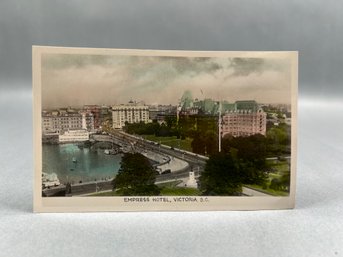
73,164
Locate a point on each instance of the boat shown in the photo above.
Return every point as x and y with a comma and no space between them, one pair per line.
74,160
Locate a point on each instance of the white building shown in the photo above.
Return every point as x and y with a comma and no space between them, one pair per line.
74,136
59,121
130,113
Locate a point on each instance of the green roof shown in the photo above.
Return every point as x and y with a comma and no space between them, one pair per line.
247,105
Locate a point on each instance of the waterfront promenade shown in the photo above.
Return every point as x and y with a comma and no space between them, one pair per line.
79,188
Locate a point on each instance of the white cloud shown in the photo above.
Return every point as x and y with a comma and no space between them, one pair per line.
115,80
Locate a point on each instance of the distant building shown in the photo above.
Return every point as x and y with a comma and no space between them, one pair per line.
159,112
245,119
193,111
130,113
61,121
95,110
207,106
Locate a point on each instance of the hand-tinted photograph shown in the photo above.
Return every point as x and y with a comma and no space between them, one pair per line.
124,125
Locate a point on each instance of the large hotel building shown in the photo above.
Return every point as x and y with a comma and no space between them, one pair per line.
130,113
61,121
61,126
245,119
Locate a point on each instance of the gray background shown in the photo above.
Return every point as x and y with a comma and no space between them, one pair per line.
314,28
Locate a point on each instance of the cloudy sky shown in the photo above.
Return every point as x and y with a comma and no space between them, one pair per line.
75,80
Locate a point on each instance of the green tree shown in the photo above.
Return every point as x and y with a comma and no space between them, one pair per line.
278,140
136,176
142,128
171,121
198,144
221,176
251,156
164,131
211,141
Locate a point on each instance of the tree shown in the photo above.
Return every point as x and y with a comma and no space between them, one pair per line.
221,176
279,139
136,176
251,156
211,141
171,121
198,144
164,131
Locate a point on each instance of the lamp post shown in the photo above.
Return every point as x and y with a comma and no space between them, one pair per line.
219,127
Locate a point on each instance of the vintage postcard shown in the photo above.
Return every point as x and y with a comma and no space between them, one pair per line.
152,130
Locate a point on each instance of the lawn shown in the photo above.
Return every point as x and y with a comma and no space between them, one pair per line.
171,141
170,191
268,190
280,168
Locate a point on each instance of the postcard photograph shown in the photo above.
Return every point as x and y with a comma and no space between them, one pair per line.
135,127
